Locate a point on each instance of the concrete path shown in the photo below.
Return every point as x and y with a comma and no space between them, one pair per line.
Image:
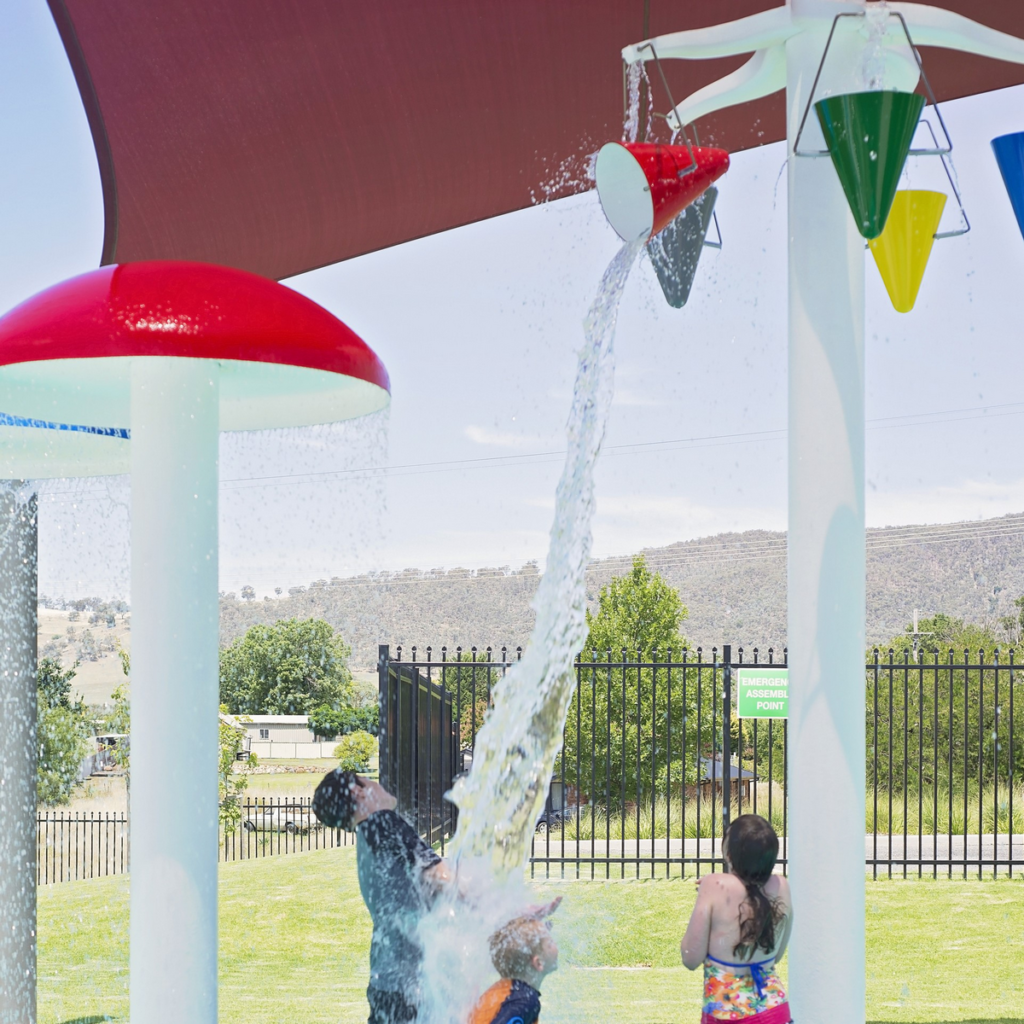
936,854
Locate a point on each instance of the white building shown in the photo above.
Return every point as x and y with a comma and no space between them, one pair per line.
284,736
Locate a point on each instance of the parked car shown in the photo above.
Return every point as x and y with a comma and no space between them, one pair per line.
286,818
549,820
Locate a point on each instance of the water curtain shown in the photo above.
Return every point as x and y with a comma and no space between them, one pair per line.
515,750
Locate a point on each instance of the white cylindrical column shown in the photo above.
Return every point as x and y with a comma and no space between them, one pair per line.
18,754
174,691
826,571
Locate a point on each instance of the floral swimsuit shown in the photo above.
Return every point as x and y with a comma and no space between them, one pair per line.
729,995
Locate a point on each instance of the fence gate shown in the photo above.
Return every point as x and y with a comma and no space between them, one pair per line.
418,745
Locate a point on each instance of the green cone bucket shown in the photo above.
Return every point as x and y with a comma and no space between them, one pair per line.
868,135
675,250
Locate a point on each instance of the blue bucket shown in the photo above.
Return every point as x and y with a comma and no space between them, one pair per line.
1009,151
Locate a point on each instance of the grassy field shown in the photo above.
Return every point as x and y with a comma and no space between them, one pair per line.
294,938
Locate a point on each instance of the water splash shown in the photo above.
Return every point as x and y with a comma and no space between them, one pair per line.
631,125
515,749
876,24
637,82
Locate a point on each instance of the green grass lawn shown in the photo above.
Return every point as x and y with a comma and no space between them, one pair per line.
288,784
294,938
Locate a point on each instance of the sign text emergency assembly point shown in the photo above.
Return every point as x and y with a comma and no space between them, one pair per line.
762,692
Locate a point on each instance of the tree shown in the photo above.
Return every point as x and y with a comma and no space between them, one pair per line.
942,705
289,668
471,720
471,678
328,722
232,779
637,612
63,733
941,633
1013,625
617,719
119,721
248,593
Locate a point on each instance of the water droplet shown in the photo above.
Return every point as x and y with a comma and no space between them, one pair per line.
873,155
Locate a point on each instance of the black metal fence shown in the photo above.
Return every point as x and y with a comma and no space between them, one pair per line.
649,773
945,763
76,845
72,845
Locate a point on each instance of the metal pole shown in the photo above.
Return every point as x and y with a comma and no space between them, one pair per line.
726,742
174,843
17,754
383,761
826,568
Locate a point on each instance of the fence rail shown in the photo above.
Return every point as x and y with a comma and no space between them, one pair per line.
654,761
76,845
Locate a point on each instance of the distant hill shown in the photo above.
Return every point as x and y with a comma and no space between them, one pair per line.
734,585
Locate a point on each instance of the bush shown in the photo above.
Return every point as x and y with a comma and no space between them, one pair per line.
355,750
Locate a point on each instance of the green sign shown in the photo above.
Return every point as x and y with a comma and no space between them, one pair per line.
762,692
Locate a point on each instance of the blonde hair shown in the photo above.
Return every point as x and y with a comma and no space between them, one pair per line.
514,945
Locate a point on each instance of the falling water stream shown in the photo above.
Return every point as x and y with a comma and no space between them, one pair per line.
515,749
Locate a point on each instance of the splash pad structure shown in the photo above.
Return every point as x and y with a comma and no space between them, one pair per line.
174,353
826,559
187,221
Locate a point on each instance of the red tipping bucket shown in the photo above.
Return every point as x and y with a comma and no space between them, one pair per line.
644,186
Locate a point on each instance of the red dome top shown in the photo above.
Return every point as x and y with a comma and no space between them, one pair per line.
195,310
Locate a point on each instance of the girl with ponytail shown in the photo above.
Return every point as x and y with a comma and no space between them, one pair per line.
739,929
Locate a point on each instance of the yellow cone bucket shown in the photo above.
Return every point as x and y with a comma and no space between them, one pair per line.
901,251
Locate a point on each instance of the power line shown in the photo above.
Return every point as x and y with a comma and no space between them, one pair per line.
554,455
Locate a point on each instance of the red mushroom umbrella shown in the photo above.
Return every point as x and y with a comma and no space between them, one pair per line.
175,352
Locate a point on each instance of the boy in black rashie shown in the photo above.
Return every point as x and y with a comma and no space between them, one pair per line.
399,875
523,953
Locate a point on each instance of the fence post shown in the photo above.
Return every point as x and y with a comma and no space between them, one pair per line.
383,688
726,742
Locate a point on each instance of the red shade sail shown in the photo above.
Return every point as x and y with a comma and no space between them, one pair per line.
283,135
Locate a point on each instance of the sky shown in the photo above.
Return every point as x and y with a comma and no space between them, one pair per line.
479,329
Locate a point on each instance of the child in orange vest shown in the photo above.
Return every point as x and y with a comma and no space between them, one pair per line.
523,953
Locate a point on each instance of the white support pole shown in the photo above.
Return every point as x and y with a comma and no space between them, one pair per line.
826,571
17,754
174,692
